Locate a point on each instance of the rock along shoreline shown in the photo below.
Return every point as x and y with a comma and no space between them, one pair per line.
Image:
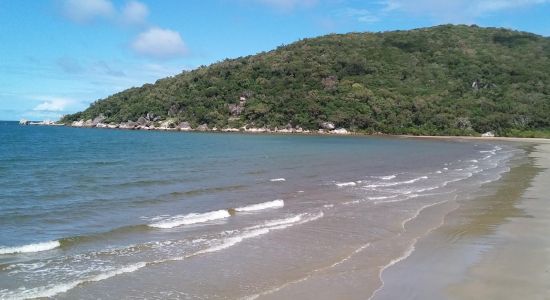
147,124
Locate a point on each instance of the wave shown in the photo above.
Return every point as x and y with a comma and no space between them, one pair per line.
420,210
385,184
192,218
215,245
343,184
309,275
55,289
389,177
261,206
207,190
31,248
259,230
277,179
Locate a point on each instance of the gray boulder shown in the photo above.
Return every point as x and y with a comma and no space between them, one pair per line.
142,121
184,126
99,119
328,125
202,127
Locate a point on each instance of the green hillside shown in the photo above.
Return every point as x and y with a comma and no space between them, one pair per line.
439,80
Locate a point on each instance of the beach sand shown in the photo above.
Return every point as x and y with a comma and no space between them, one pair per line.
495,246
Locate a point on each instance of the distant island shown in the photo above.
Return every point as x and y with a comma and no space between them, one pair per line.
443,80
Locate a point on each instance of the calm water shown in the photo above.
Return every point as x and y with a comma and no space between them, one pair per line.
91,213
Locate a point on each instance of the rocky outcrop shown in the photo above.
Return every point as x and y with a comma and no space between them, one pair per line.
184,126
78,123
144,124
202,127
340,131
169,124
488,134
327,125
98,120
128,125
231,130
142,121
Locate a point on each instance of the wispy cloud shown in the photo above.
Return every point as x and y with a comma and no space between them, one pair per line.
54,104
134,12
456,10
154,42
360,15
104,68
88,11
83,11
159,43
287,5
69,65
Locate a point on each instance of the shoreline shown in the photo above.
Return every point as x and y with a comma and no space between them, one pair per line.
492,246
293,131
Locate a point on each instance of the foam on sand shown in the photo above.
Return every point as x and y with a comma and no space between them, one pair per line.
192,218
30,248
261,206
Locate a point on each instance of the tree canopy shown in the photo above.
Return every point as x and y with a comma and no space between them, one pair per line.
449,79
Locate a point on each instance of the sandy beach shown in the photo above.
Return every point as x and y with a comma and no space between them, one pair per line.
495,247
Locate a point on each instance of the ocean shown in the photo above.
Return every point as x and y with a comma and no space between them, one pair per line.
115,214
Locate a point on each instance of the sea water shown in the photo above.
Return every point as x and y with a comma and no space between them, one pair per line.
97,213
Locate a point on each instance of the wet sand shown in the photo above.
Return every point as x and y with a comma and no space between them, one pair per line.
495,246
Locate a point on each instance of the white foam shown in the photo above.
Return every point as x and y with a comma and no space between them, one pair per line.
352,202
389,177
278,222
192,218
277,179
343,184
385,184
377,199
382,197
488,151
261,206
55,289
259,230
38,247
417,213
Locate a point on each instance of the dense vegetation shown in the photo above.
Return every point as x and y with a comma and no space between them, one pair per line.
440,80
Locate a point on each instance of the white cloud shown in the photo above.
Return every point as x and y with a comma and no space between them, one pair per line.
134,13
83,11
53,104
159,43
288,5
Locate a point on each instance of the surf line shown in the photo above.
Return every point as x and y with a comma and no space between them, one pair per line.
409,251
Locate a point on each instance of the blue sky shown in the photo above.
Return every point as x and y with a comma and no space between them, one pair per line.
57,56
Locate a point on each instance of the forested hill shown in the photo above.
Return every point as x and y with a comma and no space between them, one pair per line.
440,80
